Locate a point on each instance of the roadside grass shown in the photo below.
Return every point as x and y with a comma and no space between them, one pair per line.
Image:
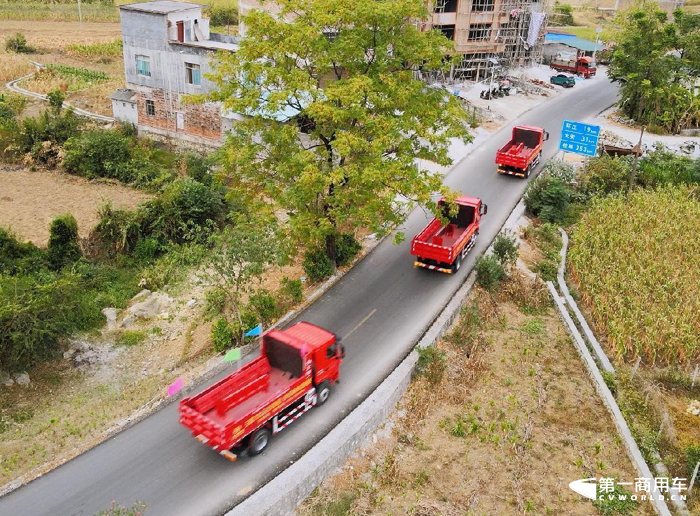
513,420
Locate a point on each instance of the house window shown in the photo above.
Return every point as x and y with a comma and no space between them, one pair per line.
150,108
480,32
194,74
143,66
447,30
482,5
445,6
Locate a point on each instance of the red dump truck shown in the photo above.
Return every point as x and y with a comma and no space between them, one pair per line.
441,247
295,371
584,66
522,153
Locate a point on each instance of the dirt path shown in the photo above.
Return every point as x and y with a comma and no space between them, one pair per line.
30,200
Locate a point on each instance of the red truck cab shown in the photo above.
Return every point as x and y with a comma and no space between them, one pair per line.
584,66
442,247
523,152
295,371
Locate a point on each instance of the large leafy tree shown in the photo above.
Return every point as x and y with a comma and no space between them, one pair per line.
336,116
657,62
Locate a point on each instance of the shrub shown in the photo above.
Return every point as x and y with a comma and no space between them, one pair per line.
118,231
215,302
63,245
505,248
146,250
549,195
18,44
563,15
662,167
605,175
131,337
263,303
692,457
35,314
347,248
196,167
97,153
292,290
489,272
43,135
223,335
56,99
12,104
187,211
431,364
317,265
17,257
221,15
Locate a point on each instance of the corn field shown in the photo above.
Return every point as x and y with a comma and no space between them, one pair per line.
636,262
110,49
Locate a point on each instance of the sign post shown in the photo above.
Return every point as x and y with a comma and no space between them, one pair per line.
579,138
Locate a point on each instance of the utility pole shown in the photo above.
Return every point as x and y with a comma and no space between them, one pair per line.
598,30
80,14
638,151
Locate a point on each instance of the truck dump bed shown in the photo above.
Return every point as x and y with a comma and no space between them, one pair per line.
521,148
442,243
244,400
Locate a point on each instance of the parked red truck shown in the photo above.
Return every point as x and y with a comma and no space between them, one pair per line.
522,153
584,66
441,247
294,372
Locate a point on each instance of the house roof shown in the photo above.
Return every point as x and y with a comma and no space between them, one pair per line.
573,41
161,7
123,95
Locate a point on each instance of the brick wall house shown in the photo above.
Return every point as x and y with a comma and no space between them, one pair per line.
167,53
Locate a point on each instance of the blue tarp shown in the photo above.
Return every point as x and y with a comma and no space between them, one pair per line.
572,41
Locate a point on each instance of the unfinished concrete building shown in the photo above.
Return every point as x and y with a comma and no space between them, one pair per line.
490,33
168,50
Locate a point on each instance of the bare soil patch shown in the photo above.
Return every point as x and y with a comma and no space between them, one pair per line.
29,201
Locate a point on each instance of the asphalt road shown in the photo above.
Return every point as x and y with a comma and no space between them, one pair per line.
380,308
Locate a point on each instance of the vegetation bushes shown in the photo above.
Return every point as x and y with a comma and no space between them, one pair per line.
63,245
317,265
42,137
98,153
662,167
550,194
605,175
489,272
563,15
223,15
18,44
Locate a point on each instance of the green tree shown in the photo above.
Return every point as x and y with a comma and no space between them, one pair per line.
242,251
657,63
337,118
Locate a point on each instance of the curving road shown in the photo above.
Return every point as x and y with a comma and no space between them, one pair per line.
380,308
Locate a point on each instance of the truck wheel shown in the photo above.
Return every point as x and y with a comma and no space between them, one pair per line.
258,441
458,262
323,391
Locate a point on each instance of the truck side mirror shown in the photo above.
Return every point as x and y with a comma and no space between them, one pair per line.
483,209
546,136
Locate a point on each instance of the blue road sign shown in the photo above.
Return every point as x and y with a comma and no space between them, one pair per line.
579,138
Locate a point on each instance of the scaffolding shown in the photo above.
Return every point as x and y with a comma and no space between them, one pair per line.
490,35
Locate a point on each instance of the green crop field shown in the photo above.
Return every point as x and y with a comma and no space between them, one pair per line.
636,261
